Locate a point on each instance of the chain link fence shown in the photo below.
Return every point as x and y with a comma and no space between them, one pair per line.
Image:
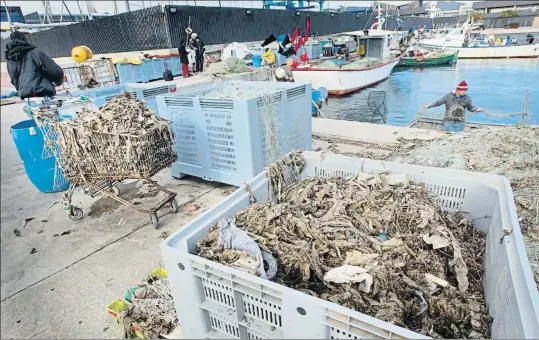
140,30
161,28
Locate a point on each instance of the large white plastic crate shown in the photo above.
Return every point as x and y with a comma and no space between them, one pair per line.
223,140
149,92
215,301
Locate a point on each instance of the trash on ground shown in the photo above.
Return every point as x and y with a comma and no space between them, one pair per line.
325,235
150,310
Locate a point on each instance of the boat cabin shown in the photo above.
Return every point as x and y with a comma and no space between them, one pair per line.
373,43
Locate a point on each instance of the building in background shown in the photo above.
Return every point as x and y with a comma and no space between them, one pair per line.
500,6
15,14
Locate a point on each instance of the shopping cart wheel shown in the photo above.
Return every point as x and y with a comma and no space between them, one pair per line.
76,214
174,206
155,220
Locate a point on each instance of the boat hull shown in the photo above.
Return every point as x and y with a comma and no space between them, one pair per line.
344,81
442,60
522,51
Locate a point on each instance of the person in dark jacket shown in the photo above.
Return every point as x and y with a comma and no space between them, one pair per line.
455,105
198,46
184,59
32,71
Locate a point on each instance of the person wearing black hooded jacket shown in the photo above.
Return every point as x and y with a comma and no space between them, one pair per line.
32,71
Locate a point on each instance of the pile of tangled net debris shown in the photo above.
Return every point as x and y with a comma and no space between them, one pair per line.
231,65
122,137
508,151
151,310
378,244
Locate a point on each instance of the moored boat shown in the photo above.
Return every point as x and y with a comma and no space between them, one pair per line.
430,59
459,40
374,64
343,81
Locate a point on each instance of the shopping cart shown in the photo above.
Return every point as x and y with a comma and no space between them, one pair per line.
107,159
104,159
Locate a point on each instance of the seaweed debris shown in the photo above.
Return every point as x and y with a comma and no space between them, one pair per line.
151,310
378,244
123,139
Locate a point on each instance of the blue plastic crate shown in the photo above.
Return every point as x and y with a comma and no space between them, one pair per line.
154,68
224,140
174,65
314,50
129,73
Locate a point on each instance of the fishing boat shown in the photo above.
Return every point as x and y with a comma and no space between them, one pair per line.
460,40
430,59
373,64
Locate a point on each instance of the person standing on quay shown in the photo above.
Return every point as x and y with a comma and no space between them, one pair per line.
184,59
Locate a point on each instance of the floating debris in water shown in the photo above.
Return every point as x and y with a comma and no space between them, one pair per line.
378,244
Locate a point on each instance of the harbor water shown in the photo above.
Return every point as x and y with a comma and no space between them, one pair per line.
498,86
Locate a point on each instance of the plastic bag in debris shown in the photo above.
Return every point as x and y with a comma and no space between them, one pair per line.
231,237
235,49
348,274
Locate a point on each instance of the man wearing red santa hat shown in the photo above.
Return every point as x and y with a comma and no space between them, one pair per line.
456,104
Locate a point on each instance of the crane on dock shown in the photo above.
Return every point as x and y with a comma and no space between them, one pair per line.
290,5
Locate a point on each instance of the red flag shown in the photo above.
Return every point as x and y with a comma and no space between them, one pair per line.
301,42
294,35
307,28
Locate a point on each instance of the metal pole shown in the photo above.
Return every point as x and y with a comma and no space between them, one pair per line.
127,8
88,8
8,15
68,11
80,10
115,7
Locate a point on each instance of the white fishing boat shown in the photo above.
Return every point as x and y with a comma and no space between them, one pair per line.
460,40
373,65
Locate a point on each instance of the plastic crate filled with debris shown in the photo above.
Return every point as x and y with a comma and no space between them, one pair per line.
377,244
123,139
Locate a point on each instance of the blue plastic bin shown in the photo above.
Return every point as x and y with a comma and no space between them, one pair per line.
129,73
257,61
29,142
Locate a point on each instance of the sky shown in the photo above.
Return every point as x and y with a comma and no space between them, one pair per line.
108,6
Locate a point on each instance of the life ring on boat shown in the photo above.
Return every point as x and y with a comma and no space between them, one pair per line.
419,56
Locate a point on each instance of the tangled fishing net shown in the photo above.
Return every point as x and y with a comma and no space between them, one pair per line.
151,310
123,139
341,64
377,244
508,151
231,65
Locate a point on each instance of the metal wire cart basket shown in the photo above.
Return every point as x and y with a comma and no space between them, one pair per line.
99,160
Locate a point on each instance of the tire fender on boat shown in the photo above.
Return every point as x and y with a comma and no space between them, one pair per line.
419,56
